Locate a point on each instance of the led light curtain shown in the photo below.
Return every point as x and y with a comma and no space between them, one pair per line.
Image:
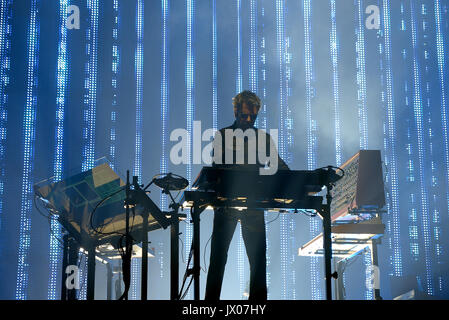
331,81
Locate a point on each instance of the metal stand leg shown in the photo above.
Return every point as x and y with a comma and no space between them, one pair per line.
174,258
91,273
65,259
327,241
73,251
144,283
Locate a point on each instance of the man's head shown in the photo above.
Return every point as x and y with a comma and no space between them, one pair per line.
246,107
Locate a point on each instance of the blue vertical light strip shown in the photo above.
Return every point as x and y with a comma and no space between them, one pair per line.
435,166
361,77
62,74
280,42
90,107
239,88
253,54
289,132
164,95
82,264
442,72
5,56
190,106
28,144
239,79
369,293
262,118
432,169
334,49
214,67
135,277
283,232
419,122
410,181
138,60
362,112
161,259
390,149
90,87
114,82
314,226
262,122
311,139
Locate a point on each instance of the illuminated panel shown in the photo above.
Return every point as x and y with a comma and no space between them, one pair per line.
190,106
5,47
164,95
419,122
29,134
61,91
442,70
390,148
114,82
361,79
314,226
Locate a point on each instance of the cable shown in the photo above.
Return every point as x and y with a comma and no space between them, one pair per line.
182,249
181,295
277,217
93,212
333,167
39,211
126,263
204,255
306,212
187,289
54,235
49,219
186,272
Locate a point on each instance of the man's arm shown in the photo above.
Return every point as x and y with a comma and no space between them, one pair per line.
281,163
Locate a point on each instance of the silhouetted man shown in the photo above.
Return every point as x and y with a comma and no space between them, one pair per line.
246,108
